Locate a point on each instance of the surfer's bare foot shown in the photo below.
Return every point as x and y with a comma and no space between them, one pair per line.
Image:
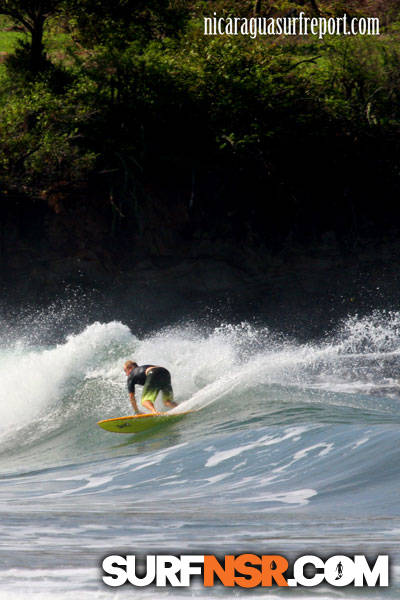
170,404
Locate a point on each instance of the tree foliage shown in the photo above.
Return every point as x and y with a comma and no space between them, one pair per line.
119,22
32,15
262,134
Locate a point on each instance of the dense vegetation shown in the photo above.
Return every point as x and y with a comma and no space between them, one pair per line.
126,109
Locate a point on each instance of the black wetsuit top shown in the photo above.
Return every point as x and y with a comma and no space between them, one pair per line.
137,377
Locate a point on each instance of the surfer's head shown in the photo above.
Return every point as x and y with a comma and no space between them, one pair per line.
129,366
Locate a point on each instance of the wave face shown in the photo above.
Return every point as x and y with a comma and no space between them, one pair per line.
293,449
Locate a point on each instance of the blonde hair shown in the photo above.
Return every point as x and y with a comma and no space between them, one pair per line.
129,364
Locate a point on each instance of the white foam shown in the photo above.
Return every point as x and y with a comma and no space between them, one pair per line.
360,443
219,457
300,497
32,380
326,448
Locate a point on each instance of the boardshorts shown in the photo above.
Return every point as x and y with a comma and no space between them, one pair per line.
158,379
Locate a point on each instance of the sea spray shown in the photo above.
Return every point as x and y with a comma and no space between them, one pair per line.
35,380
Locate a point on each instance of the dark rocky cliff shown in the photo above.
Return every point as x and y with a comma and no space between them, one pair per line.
157,273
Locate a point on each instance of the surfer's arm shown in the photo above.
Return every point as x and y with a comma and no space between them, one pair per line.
133,402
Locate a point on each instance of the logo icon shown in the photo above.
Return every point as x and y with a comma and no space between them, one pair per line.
339,570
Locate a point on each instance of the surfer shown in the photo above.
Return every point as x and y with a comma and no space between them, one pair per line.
339,570
153,379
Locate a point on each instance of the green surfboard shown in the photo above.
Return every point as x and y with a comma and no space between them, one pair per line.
138,423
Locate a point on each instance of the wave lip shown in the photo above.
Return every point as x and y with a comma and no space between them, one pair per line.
38,379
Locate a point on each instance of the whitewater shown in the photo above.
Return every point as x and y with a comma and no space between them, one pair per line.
293,450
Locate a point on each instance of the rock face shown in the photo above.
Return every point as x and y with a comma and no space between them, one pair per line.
47,256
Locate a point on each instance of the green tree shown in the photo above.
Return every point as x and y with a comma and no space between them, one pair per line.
32,15
118,22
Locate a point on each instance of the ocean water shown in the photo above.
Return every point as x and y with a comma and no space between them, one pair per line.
293,449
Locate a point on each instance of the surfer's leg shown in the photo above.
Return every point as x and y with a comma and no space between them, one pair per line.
149,394
168,396
162,379
149,405
166,389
